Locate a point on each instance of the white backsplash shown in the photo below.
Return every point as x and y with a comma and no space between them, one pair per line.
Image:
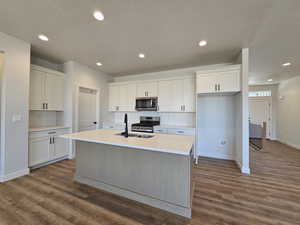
179,119
44,118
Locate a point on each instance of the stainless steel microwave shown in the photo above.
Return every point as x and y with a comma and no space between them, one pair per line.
146,104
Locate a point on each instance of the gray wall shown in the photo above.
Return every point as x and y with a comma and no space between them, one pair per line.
289,111
14,101
78,74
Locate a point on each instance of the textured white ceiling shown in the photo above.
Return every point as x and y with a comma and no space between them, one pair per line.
167,31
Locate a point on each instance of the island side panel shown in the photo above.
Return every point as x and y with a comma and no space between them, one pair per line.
162,176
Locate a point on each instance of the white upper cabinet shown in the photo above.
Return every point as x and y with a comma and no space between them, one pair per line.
122,97
54,89
127,97
176,95
147,89
113,95
46,89
225,80
37,90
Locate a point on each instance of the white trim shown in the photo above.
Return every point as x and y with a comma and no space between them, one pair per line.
244,170
76,112
217,156
44,69
14,175
289,144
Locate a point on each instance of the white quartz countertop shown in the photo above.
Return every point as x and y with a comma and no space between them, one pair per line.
168,143
36,129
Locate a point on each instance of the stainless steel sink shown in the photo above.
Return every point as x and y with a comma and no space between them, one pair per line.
137,135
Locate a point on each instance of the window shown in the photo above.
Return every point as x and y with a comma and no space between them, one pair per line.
260,93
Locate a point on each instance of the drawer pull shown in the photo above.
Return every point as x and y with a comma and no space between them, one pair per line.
180,132
52,132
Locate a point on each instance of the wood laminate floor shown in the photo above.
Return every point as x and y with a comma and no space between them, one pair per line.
223,196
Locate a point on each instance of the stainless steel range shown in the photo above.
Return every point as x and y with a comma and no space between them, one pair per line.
146,124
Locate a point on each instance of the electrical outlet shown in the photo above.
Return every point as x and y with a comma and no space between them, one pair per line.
223,142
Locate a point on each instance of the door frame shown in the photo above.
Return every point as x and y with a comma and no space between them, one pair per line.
269,132
72,145
77,105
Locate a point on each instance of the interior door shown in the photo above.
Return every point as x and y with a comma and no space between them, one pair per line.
54,92
37,89
259,110
87,113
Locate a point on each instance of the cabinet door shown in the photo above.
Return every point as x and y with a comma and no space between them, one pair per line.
141,90
177,98
55,92
127,94
229,81
170,96
61,147
147,89
189,95
164,96
206,84
37,89
151,89
39,151
114,94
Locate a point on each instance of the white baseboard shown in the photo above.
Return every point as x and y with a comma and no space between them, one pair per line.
14,175
244,170
289,144
219,156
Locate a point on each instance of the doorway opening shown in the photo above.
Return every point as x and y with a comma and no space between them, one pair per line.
260,118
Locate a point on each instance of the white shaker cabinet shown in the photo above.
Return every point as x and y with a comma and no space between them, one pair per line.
113,97
147,89
122,97
47,146
176,95
46,89
226,80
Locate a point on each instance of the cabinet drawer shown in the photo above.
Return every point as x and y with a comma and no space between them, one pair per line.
46,133
179,131
161,130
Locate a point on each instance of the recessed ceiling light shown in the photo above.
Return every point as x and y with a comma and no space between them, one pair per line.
99,64
43,37
287,64
98,15
202,43
141,55
270,80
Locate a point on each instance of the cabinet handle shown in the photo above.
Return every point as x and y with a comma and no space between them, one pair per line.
53,140
219,87
50,140
180,132
183,107
216,87
43,105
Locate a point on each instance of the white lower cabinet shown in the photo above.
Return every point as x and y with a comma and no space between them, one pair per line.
172,130
46,146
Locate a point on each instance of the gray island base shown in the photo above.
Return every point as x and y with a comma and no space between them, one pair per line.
156,178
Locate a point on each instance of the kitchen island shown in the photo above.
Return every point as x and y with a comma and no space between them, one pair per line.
154,170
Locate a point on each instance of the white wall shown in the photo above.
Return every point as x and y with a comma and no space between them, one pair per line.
274,90
78,74
14,102
288,112
216,126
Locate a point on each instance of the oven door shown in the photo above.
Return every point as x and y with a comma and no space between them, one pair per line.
146,104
